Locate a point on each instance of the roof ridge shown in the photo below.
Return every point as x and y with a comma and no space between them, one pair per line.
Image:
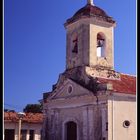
128,74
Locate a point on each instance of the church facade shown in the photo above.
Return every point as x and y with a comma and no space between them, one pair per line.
90,101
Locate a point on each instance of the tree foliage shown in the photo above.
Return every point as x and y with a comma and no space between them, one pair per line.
8,110
33,108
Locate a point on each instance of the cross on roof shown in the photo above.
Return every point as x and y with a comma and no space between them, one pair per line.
90,2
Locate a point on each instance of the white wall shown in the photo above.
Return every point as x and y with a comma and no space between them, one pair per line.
121,107
28,126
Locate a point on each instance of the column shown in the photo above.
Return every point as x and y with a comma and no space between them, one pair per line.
27,135
90,123
37,134
85,123
16,131
104,121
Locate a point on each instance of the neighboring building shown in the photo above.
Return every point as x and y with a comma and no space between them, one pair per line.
31,126
90,101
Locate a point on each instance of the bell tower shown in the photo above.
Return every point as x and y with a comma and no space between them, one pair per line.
90,38
90,99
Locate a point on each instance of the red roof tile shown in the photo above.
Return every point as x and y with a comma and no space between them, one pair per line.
29,117
126,84
91,11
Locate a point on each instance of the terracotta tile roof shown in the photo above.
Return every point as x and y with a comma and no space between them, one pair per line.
91,11
29,117
126,84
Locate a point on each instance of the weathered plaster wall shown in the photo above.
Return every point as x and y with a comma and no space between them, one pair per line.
121,107
88,119
87,30
26,126
81,28
84,111
109,46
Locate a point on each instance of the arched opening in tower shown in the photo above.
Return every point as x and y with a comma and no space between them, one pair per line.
100,45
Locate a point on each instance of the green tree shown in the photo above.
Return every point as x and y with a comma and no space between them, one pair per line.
33,108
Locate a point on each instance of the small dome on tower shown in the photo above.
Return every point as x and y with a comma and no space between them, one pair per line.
91,11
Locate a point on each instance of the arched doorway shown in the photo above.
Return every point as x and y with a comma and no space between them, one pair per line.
71,130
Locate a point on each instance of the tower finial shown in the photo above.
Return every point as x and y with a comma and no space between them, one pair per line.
90,2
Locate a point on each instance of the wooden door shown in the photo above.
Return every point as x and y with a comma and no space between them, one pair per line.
71,131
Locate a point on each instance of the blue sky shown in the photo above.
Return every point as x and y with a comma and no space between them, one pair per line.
35,44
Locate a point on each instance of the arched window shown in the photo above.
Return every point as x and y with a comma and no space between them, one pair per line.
75,43
100,45
70,131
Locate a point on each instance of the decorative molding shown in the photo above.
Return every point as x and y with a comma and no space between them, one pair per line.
103,73
102,61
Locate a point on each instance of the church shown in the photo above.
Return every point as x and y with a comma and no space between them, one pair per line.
90,101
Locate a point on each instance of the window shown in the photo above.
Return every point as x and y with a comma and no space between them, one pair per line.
126,123
100,45
31,135
70,89
9,134
23,134
75,43
106,126
75,46
41,134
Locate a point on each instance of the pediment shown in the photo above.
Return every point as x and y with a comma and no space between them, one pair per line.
69,89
